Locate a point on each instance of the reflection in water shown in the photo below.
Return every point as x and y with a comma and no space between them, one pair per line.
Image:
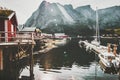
64,57
68,63
64,63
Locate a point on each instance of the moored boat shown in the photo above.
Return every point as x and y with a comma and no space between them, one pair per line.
108,62
60,42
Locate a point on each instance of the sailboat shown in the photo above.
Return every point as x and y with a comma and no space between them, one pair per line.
106,58
96,41
109,61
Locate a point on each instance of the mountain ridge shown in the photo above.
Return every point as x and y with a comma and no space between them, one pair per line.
55,17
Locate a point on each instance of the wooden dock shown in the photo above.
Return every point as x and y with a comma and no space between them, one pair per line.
14,48
104,51
96,48
17,45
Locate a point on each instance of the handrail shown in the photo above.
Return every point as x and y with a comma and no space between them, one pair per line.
16,36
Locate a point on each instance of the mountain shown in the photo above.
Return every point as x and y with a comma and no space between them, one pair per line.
109,17
54,17
49,13
87,12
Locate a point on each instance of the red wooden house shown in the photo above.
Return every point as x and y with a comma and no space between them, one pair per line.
8,25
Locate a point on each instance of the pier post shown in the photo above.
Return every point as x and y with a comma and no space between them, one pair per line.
1,59
31,65
31,62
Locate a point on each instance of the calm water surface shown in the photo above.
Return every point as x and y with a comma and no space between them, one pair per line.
69,62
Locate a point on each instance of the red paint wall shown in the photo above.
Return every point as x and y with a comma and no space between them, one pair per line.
10,34
9,22
9,30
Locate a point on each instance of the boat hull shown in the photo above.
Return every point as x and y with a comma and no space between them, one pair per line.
107,69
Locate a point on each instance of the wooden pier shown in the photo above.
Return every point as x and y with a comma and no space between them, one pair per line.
96,48
106,54
20,46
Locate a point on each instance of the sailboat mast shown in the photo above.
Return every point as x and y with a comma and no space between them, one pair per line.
97,26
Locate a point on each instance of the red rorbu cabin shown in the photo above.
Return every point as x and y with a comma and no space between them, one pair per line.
8,25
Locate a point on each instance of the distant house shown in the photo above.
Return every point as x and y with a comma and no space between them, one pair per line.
8,25
28,29
36,31
60,35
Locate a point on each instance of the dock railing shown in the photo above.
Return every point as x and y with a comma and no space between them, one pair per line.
7,37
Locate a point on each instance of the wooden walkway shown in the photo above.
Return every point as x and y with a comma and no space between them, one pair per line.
21,38
13,45
103,50
94,48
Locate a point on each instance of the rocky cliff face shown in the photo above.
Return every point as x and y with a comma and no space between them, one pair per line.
54,17
109,17
49,14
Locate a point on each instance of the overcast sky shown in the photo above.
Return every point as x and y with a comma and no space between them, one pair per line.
25,8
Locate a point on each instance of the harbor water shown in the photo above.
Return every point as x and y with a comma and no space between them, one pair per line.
68,62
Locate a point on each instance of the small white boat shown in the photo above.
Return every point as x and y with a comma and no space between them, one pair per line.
60,42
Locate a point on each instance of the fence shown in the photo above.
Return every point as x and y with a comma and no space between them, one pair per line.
16,36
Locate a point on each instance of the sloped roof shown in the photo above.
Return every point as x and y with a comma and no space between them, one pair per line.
5,13
31,29
8,14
